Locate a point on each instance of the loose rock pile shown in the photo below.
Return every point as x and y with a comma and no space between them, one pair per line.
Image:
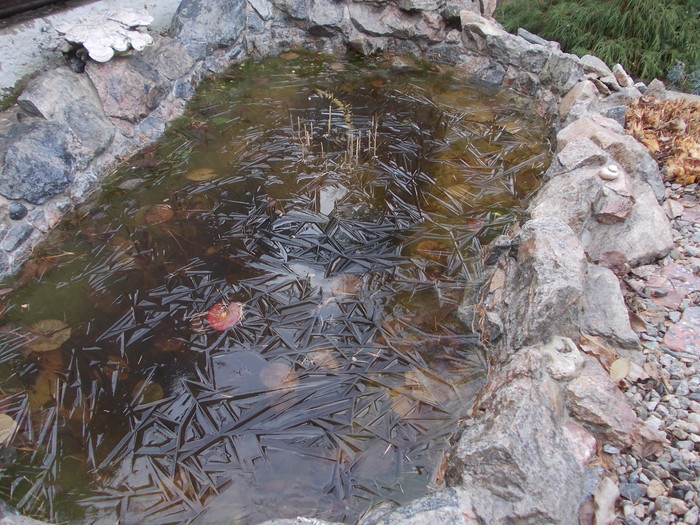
667,298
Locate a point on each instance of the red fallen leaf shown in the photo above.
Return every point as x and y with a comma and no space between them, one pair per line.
223,316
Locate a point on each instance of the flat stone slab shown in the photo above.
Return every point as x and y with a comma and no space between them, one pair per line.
684,336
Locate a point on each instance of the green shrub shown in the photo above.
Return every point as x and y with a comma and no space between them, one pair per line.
648,37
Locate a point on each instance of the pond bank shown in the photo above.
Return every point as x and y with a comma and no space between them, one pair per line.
531,453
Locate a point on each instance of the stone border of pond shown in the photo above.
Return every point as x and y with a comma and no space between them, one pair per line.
532,448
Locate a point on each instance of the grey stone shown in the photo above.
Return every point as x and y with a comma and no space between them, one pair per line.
487,7
526,83
38,161
476,28
67,98
325,17
368,19
205,25
604,310
611,82
129,88
656,88
504,47
496,248
295,521
17,211
445,53
420,5
593,64
562,71
452,9
531,37
298,9
514,445
367,46
616,113
621,76
568,197
491,75
598,404
692,517
581,152
602,88
255,24
643,238
544,286
534,58
578,100
168,57
610,136
18,233
263,8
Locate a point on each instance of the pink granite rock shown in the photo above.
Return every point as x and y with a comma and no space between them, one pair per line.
684,336
582,443
595,401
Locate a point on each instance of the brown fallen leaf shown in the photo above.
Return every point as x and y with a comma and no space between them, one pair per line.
637,323
648,441
597,347
497,280
586,513
158,213
652,370
605,497
637,373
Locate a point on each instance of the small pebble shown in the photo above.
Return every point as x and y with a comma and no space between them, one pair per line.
692,516
655,489
632,491
17,211
677,506
611,450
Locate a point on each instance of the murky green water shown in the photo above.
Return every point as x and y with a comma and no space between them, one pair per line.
343,205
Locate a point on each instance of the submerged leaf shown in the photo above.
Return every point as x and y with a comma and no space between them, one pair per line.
223,316
202,175
7,428
158,213
49,335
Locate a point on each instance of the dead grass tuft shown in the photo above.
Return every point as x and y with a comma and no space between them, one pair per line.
670,129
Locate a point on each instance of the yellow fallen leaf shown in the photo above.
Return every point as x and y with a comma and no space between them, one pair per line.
619,369
7,428
636,373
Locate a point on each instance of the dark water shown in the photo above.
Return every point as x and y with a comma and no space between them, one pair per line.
343,205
